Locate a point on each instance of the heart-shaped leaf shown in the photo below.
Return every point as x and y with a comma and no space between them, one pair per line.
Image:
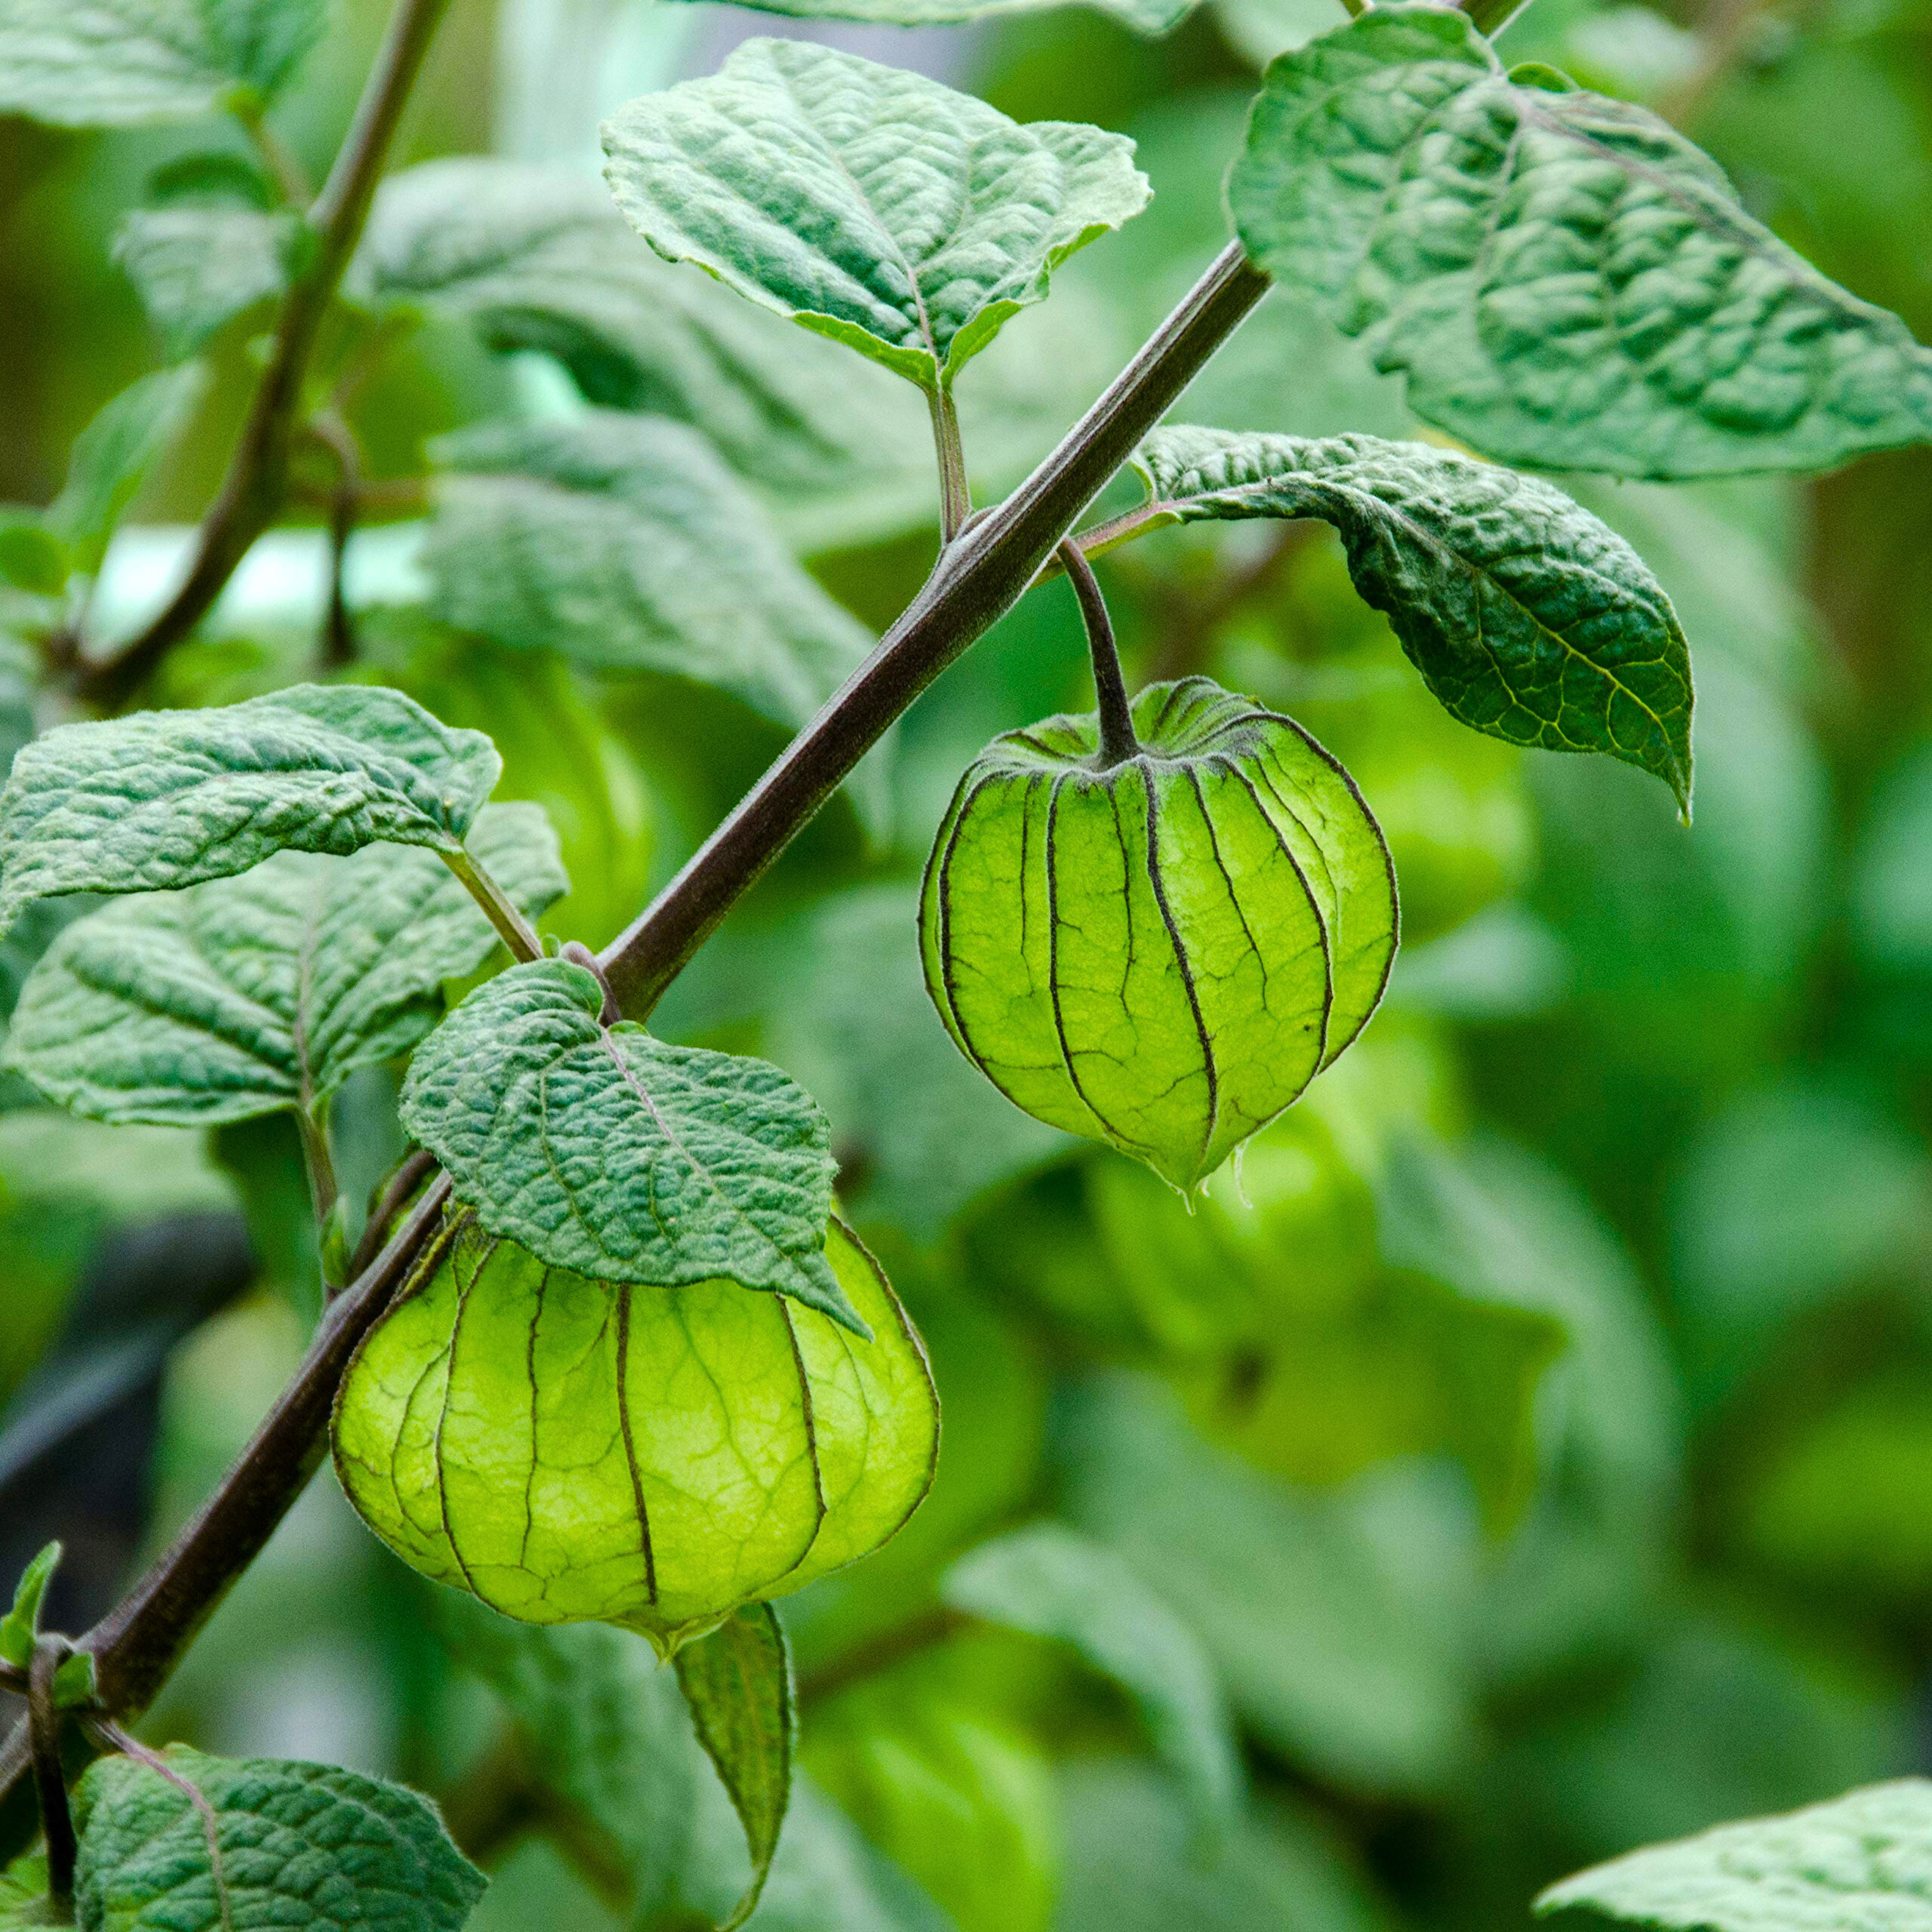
870,205
603,1149
1565,279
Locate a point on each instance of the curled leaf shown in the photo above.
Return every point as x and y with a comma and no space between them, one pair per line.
570,1449
1163,953
1528,617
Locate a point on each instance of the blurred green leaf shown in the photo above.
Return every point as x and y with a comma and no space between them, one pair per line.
1508,360
20,1627
197,269
265,991
1832,1865
752,173
32,558
920,1134
602,1728
23,1893
1323,1657
737,1682
113,455
956,1797
1049,1581
1891,884
622,543
114,63
1131,1868
1794,1194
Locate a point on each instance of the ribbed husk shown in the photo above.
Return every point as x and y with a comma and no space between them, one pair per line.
568,1449
1163,953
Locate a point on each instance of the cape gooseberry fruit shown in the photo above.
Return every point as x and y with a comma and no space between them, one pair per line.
568,1449
1160,952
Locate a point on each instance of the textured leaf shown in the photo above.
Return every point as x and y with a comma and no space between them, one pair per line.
197,269
1528,618
624,544
603,1149
737,1682
1144,16
166,798
114,453
20,1628
113,63
603,1730
245,995
304,1846
1053,1582
1565,281
1163,953
872,205
569,1450
1861,1862
538,258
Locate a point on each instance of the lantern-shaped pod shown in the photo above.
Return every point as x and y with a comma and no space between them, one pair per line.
1163,952
569,1450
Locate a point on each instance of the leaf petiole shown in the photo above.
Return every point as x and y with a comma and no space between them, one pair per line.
517,931
1117,741
955,490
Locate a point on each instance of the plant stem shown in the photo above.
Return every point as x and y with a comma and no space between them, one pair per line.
43,1729
137,1645
1117,741
955,491
257,485
345,502
517,934
975,582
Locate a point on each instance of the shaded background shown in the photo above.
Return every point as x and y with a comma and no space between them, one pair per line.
1538,1432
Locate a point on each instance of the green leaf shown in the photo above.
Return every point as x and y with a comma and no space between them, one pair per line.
603,1730
23,1895
261,1842
114,453
1163,953
921,1135
1143,16
1326,1657
77,1681
1055,1583
32,558
605,1150
1130,1868
117,63
1863,1859
246,995
624,544
870,205
1565,281
537,258
568,1449
197,269
165,799
20,1628
826,1874
954,1792
1526,615
737,1682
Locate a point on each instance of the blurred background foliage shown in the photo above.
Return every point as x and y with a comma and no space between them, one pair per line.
1535,1429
